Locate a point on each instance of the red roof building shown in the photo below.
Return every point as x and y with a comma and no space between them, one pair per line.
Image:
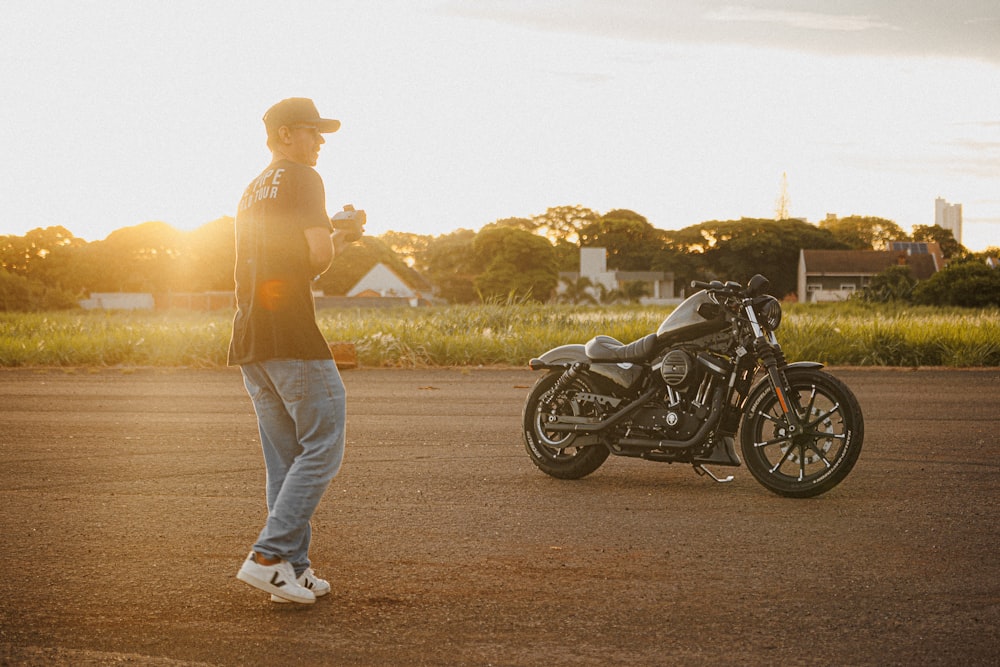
833,275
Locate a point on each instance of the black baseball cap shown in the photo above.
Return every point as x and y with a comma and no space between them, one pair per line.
297,111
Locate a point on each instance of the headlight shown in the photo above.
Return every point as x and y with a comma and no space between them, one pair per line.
768,312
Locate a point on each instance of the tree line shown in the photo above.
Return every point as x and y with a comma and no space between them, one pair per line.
514,257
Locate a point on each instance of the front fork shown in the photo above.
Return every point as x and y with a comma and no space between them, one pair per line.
773,359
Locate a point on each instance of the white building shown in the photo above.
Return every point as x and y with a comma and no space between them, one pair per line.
118,301
948,216
594,267
382,281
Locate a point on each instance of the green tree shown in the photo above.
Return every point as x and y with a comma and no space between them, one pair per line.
527,224
411,248
208,255
515,263
567,256
864,232
896,283
20,294
737,249
968,283
578,290
450,266
631,291
634,291
55,261
632,243
943,237
686,265
563,223
151,257
39,254
141,258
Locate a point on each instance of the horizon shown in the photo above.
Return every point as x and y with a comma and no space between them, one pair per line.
996,244
457,114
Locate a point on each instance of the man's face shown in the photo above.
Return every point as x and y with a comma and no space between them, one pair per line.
303,145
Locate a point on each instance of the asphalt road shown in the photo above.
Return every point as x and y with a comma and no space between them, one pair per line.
129,498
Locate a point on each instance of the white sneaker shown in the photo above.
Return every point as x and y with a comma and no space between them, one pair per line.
309,581
278,580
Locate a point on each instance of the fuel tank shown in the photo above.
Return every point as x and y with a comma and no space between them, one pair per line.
698,315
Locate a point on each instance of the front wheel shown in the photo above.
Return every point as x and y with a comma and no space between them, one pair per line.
558,453
821,454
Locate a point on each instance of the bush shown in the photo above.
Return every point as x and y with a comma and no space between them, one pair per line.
894,284
20,294
969,284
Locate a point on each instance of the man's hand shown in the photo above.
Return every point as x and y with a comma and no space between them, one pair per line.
348,227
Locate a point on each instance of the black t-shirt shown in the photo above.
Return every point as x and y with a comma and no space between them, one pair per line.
275,311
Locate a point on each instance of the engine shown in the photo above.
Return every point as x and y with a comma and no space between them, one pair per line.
688,379
676,367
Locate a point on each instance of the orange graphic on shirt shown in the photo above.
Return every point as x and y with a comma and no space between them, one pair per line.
272,293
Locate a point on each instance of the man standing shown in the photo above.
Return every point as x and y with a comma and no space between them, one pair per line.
284,238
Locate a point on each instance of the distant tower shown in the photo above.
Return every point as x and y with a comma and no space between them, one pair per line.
948,216
782,206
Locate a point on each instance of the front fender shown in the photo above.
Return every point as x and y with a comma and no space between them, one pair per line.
810,365
802,364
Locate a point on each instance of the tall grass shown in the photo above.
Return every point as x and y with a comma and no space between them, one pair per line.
497,334
113,339
869,335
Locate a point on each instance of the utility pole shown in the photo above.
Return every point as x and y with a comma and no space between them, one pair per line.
783,204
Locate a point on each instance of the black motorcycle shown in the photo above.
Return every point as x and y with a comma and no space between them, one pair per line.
679,396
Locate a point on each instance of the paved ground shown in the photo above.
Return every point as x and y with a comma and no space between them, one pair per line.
128,499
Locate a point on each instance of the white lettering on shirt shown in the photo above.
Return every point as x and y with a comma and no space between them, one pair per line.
265,187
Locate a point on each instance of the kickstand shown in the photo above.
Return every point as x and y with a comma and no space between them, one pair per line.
702,470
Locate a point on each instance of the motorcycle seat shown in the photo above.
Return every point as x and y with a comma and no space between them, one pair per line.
605,349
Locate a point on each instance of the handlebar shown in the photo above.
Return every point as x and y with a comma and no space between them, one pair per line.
756,286
728,287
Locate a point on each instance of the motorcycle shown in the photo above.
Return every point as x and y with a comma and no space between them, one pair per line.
713,368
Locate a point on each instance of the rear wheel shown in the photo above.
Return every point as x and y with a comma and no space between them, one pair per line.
558,453
821,454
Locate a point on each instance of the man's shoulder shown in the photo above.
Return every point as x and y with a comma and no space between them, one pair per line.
285,169
295,168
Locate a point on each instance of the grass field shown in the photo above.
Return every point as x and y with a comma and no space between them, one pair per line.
497,334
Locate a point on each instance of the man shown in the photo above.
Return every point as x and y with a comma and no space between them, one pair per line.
284,238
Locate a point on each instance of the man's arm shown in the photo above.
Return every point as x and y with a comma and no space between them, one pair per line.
341,239
324,246
320,249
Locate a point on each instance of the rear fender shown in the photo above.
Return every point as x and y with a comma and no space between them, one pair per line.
564,356
560,357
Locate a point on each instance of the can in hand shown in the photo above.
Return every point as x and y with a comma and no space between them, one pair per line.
350,221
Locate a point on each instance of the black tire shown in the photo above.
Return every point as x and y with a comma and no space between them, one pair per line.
822,455
559,454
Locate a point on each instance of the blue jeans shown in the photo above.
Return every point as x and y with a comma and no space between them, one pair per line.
301,411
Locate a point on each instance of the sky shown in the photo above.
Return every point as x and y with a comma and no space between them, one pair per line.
457,113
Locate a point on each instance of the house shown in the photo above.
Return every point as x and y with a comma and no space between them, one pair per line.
833,275
594,267
932,248
381,287
381,281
